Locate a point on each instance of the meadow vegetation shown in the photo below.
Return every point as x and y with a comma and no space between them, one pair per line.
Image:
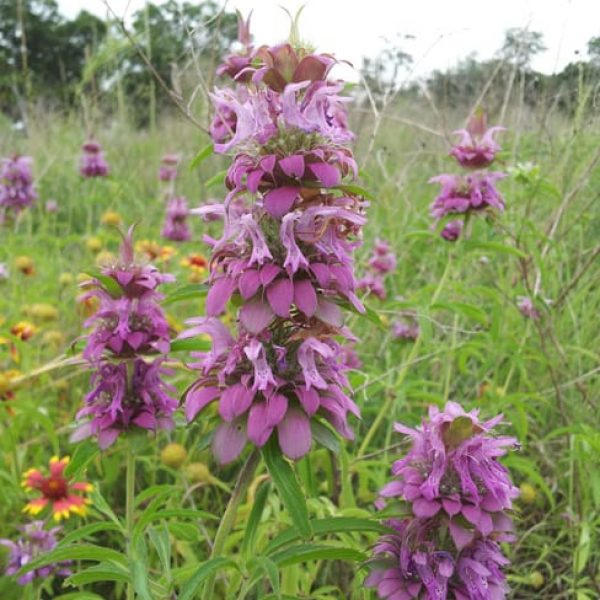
473,345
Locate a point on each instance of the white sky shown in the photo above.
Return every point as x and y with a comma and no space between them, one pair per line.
445,30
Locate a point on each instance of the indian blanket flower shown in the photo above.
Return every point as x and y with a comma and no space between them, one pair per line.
459,496
126,396
176,226
168,167
34,542
476,147
17,190
57,491
285,256
92,162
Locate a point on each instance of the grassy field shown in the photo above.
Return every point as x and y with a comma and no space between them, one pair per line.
474,346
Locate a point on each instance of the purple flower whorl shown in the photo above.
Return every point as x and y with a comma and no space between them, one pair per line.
127,390
459,495
17,191
285,255
474,192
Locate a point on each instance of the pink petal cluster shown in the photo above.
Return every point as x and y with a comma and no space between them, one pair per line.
285,257
168,167
475,191
17,190
381,264
92,162
459,495
527,308
127,389
476,148
176,227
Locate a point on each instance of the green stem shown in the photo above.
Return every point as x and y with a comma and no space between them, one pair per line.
129,512
239,491
387,405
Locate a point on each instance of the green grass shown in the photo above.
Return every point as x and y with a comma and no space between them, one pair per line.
475,346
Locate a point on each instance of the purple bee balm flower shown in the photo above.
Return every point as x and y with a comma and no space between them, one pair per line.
121,400
135,279
93,163
176,226
383,259
372,283
129,320
278,66
467,194
4,272
477,147
17,190
413,562
263,387
527,308
241,58
51,206
452,230
127,327
34,543
406,329
452,469
168,167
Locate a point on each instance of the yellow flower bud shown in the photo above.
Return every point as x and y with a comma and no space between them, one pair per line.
198,472
94,244
536,580
528,493
65,279
173,455
111,218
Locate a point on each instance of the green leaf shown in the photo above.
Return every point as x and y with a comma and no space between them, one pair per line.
111,286
582,554
184,513
90,529
262,564
152,491
149,512
191,291
84,453
101,572
202,156
468,310
186,532
188,591
218,179
78,596
75,552
306,552
369,314
190,345
160,540
254,519
139,570
328,526
288,487
493,247
100,504
357,190
325,436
